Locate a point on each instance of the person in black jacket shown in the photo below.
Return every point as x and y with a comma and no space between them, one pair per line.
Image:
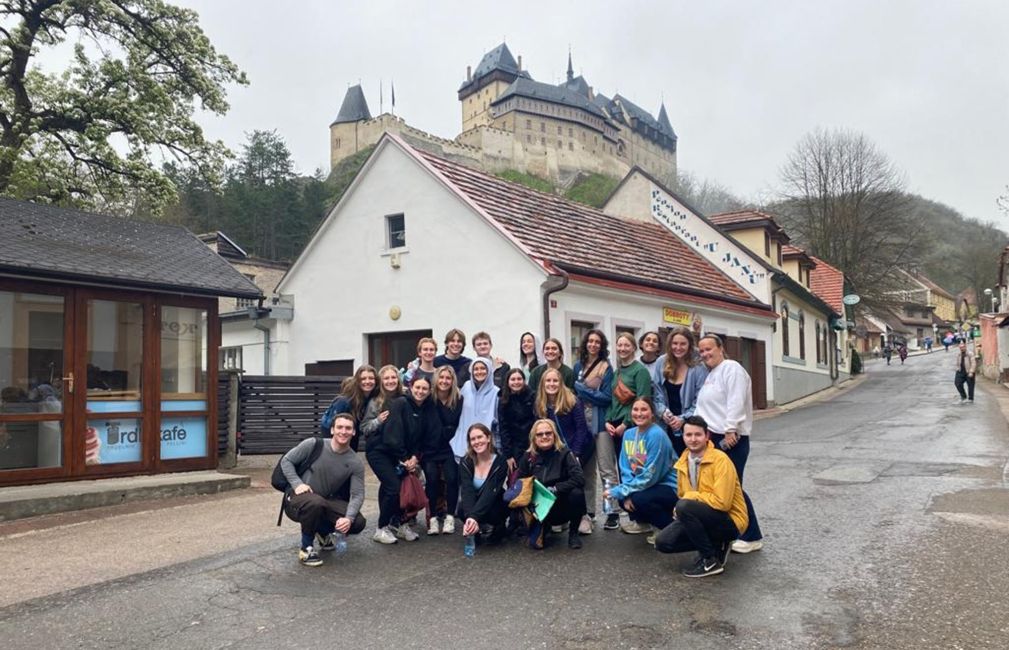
441,474
515,416
394,450
483,473
558,469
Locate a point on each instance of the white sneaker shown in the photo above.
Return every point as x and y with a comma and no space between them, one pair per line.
448,528
433,528
632,527
405,533
585,526
384,535
739,546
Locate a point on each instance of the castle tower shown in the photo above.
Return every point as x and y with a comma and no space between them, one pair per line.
345,137
496,71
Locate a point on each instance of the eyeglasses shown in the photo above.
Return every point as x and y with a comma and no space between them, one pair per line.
544,434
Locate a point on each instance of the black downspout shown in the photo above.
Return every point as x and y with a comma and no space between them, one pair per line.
554,283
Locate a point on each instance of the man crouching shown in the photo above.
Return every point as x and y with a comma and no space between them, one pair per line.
710,512
325,497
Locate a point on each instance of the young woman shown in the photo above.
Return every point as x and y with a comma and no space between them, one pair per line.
676,380
553,354
558,403
557,468
394,451
726,404
441,474
423,365
631,380
355,393
483,474
530,353
479,403
377,411
515,417
650,344
482,346
594,387
647,488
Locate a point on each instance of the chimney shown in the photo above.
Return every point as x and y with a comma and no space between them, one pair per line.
520,62
469,73
592,94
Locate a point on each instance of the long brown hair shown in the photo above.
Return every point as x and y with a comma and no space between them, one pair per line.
565,396
351,389
478,426
669,369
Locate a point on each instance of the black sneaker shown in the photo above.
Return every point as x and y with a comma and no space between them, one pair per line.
325,542
724,552
309,557
612,521
574,540
707,567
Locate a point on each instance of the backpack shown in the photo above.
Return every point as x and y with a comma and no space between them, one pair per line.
326,424
279,481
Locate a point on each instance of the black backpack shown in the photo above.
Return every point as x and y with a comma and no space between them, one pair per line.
279,481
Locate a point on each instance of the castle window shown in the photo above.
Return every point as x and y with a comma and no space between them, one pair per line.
395,229
336,143
571,146
571,132
543,127
560,144
529,124
560,130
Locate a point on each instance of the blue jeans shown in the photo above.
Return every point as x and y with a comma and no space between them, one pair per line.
738,456
653,505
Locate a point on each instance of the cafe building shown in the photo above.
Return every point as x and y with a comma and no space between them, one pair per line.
109,337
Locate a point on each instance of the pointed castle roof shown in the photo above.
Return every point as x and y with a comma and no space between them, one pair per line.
354,107
500,58
664,121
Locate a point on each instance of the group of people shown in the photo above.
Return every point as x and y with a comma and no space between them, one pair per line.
662,436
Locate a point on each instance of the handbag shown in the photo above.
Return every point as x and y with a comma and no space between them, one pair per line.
412,498
623,394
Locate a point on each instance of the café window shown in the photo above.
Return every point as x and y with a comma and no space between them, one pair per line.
184,399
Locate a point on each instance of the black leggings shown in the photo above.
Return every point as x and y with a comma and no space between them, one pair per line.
449,471
389,481
568,509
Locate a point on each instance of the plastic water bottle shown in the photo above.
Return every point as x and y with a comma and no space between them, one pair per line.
339,544
607,503
469,546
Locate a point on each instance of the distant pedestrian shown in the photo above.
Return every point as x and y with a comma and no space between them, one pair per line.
325,497
887,353
902,353
966,366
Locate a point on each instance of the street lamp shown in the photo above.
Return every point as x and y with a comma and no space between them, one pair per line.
988,293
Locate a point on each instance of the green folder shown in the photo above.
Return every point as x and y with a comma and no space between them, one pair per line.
542,501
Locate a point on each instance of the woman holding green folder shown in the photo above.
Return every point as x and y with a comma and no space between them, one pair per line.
558,469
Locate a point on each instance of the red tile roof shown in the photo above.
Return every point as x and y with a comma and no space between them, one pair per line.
788,249
828,283
740,216
577,237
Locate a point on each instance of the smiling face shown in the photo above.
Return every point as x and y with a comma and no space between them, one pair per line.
478,441
366,381
650,343
479,372
551,383
679,346
343,431
428,351
543,436
593,344
445,381
528,344
625,349
711,354
641,414
551,351
695,437
516,382
455,346
420,389
390,380
482,347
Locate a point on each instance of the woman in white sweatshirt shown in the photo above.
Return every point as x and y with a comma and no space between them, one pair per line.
725,401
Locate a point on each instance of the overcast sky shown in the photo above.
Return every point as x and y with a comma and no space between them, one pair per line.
927,82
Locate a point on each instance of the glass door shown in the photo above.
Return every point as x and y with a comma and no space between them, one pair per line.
34,384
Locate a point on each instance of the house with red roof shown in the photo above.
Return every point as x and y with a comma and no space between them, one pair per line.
810,344
419,244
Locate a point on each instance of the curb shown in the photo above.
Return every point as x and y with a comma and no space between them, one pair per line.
820,396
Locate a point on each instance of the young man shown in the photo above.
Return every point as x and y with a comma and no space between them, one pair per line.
327,496
482,346
966,367
455,343
710,512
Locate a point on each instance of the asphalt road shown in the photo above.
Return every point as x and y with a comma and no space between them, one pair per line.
886,522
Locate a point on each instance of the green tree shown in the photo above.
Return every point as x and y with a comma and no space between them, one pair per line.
95,133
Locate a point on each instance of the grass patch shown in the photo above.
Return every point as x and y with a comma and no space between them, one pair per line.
592,190
530,181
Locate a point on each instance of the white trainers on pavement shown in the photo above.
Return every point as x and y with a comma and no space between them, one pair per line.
632,527
433,527
739,546
449,527
585,525
384,535
405,533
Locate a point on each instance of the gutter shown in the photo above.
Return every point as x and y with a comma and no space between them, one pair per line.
554,283
256,313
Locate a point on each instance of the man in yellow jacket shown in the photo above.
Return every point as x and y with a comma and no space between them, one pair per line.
710,512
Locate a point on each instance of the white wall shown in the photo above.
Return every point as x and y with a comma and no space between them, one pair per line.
240,333
456,270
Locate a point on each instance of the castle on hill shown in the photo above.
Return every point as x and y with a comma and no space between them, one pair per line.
511,121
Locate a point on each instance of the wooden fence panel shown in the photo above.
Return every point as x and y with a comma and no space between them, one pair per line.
223,402
276,413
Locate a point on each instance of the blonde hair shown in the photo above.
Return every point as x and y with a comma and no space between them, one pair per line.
427,339
669,369
384,395
566,399
629,337
558,443
453,391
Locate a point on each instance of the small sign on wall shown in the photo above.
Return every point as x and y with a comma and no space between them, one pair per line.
676,316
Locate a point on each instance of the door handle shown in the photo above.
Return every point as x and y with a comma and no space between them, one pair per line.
68,383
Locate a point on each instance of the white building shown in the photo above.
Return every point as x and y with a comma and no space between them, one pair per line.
418,245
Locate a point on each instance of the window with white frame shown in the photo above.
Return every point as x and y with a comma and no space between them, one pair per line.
231,358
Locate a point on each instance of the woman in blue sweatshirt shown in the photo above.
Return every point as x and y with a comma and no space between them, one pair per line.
647,489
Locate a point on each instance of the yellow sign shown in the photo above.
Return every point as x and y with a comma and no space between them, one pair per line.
676,316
